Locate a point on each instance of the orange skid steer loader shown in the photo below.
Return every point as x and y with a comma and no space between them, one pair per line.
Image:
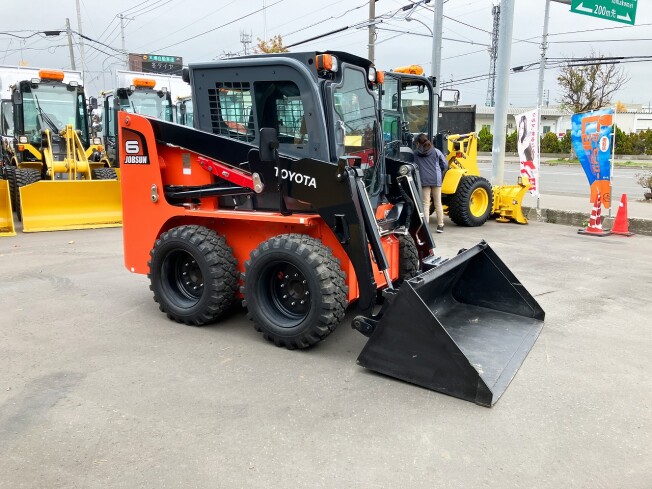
281,197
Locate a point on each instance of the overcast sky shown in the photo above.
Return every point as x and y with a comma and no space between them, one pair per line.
165,26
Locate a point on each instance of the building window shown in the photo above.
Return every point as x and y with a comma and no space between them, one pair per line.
546,129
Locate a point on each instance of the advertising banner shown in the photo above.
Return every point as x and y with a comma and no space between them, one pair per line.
527,143
591,135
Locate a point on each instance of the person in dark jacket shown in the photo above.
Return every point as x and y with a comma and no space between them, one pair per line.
432,167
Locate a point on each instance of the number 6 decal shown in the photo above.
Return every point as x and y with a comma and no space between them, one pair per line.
132,147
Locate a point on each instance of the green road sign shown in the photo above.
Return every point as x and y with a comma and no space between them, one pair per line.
617,10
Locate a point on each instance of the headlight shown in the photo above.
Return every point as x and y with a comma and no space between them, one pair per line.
23,139
97,141
404,170
326,62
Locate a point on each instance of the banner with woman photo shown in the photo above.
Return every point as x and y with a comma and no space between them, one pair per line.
527,144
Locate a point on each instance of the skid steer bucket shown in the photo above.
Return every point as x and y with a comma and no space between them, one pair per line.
462,328
52,205
6,216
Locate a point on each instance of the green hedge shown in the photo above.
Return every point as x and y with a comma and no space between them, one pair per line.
626,144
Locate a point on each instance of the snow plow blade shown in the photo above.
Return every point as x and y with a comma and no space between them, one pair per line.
6,215
54,205
462,328
508,201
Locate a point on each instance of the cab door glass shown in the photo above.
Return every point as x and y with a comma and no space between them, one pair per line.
389,97
415,106
279,105
7,118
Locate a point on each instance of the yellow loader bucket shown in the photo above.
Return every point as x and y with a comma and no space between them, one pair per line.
52,205
6,215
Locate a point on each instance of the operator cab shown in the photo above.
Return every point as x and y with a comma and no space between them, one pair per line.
143,98
321,104
408,100
44,103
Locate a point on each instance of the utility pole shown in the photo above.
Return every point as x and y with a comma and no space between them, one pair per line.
438,27
502,90
81,42
372,30
122,38
493,53
72,52
544,47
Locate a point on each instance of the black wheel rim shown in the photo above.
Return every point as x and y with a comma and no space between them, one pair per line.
289,293
182,278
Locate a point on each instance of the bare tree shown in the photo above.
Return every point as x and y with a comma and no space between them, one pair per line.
589,86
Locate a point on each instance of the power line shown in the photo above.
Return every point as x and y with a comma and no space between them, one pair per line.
149,8
188,25
220,26
128,11
600,40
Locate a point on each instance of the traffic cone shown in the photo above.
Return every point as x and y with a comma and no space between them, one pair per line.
621,223
595,223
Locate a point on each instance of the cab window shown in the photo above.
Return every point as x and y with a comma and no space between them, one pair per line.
231,110
7,118
279,106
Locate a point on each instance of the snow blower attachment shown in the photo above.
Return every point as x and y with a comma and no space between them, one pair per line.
462,328
254,211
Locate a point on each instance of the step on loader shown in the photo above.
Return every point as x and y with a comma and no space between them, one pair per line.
281,197
6,215
57,177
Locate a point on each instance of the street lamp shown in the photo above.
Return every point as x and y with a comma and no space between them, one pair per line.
410,19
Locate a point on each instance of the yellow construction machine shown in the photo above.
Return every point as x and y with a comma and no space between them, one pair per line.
56,175
504,200
150,94
409,105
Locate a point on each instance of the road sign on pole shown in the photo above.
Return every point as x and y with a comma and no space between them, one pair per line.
617,10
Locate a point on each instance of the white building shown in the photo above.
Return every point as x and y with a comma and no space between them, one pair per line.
635,118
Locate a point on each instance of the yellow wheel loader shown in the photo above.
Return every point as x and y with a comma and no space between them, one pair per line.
149,94
409,105
56,175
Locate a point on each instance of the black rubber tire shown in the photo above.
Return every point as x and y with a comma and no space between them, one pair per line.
408,259
104,174
311,273
202,256
24,176
459,209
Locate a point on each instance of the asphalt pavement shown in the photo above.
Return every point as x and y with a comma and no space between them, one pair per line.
99,389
